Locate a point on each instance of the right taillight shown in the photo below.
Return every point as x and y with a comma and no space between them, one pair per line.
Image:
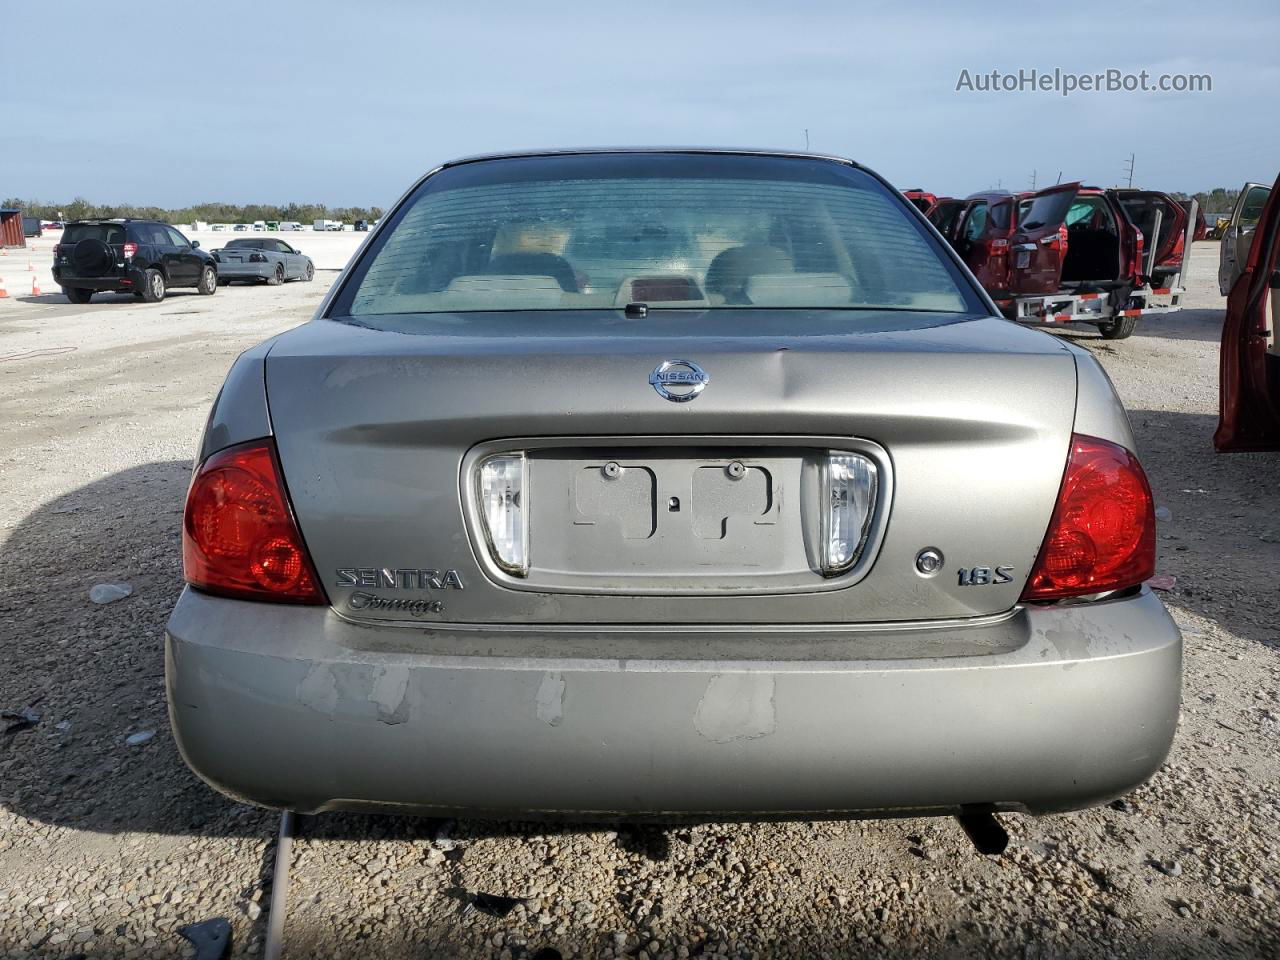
129,250
239,537
1103,533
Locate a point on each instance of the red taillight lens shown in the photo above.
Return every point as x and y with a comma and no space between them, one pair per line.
129,250
1103,532
238,535
56,248
997,246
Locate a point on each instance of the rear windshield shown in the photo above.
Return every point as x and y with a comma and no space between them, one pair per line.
253,243
1048,209
106,232
668,230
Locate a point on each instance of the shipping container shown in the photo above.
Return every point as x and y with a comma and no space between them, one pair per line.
11,232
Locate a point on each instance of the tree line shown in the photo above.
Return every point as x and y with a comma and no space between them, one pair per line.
1216,202
1219,200
82,209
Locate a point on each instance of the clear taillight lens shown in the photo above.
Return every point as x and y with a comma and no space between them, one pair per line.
500,487
848,501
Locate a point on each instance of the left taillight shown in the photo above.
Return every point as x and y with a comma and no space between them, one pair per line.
239,536
1103,533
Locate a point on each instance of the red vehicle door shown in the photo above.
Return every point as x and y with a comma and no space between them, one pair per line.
1249,372
1001,218
944,215
1141,207
1039,244
982,240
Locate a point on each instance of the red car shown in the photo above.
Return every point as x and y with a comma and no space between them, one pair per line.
1249,374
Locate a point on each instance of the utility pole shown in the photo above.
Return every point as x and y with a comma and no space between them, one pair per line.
1033,180
1059,180
806,138
1131,159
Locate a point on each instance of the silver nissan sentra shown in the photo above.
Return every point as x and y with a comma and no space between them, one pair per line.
698,483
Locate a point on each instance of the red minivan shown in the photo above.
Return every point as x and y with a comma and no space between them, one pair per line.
1249,374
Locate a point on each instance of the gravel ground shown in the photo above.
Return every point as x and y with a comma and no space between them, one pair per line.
108,844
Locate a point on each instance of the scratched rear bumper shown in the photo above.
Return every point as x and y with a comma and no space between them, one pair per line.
297,708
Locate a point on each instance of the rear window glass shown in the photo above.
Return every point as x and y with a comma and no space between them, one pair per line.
106,232
253,244
1048,209
1000,215
668,230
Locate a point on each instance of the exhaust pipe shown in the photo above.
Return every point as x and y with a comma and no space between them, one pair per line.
984,830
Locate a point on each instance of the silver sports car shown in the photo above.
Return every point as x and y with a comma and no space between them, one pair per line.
668,483
262,258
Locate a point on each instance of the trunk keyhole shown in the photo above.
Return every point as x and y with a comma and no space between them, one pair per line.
673,504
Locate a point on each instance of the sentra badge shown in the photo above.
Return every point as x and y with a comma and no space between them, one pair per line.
399,578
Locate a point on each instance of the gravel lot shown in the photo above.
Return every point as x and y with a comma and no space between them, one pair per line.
108,844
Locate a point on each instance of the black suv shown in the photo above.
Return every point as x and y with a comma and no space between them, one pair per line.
142,257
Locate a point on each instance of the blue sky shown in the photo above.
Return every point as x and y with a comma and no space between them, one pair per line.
347,103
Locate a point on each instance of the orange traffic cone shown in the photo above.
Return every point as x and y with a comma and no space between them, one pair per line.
29,267
3,291
35,287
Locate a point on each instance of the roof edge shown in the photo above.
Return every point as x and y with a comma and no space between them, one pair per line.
586,151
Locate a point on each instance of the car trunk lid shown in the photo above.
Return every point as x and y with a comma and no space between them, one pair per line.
380,432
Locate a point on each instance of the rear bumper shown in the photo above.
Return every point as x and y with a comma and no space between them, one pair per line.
244,271
129,279
297,708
